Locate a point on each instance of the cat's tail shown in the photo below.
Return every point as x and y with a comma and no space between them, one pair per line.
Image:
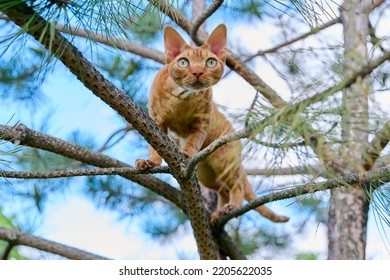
263,210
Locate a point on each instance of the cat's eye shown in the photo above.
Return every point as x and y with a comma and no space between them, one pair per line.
183,62
211,62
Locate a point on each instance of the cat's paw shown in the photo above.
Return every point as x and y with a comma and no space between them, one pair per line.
187,154
143,164
227,208
224,210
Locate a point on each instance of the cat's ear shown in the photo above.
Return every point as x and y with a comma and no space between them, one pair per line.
216,41
174,44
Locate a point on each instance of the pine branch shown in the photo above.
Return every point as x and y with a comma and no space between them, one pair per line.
202,18
119,101
371,179
81,172
128,46
17,237
173,13
21,135
296,39
377,145
316,170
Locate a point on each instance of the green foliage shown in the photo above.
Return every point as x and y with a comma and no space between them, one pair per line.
19,83
129,74
146,27
306,256
250,9
8,222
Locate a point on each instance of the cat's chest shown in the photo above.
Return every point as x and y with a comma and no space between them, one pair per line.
182,111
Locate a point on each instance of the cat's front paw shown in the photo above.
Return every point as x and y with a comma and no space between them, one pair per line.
187,154
143,164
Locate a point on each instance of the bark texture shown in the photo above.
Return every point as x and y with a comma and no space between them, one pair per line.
348,212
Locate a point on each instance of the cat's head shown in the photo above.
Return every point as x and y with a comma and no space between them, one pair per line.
195,68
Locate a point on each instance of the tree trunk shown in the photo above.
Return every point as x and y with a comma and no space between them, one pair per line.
348,212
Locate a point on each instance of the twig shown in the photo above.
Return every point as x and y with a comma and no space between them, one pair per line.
373,179
17,237
106,145
298,38
317,170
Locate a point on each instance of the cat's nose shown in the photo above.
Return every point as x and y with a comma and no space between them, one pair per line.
197,74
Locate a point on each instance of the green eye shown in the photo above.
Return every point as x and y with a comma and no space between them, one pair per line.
211,62
183,62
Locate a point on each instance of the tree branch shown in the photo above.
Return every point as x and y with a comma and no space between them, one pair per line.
372,179
377,145
202,18
316,170
298,38
21,135
173,13
81,172
19,238
132,47
118,100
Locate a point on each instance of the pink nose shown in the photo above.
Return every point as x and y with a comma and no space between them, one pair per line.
197,74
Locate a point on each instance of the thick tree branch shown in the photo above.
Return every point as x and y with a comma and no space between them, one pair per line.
371,179
21,135
118,100
80,172
19,238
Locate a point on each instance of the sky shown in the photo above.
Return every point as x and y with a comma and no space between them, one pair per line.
74,220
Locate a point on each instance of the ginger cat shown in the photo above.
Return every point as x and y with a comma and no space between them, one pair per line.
181,102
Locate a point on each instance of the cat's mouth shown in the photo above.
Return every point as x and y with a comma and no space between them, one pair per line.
195,84
198,85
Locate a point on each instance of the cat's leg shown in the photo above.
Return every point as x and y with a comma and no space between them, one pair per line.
208,179
154,158
225,164
223,204
195,140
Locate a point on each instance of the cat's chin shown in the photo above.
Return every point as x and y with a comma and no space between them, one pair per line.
195,87
198,86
